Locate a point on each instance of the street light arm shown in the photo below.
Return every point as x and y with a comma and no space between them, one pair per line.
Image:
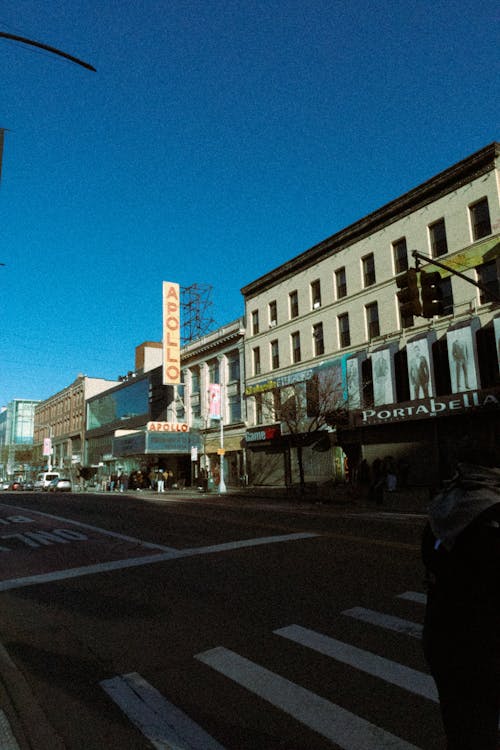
47,47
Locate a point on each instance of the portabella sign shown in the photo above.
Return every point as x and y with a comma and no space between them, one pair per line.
432,407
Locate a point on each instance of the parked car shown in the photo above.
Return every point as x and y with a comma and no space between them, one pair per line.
16,486
60,484
45,478
4,485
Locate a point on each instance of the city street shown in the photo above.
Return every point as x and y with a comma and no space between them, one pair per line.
144,621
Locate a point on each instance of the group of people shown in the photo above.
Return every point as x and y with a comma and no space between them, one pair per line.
156,479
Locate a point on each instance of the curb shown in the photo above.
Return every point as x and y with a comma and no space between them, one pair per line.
24,725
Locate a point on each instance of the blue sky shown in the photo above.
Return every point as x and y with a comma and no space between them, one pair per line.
217,140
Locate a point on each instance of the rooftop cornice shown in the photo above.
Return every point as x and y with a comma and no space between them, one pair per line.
450,179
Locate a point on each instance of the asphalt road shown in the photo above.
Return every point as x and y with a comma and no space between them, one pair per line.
138,622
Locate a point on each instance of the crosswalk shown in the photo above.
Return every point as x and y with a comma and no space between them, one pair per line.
166,727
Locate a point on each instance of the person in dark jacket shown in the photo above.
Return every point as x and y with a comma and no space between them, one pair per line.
461,554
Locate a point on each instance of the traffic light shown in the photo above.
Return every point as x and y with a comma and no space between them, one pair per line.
432,295
408,295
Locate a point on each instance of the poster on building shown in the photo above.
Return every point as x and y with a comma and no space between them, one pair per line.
496,329
171,334
420,367
383,376
462,358
214,401
354,381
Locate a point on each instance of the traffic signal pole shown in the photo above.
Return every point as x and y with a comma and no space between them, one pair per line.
419,256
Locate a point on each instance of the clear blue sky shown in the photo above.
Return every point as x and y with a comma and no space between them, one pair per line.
217,140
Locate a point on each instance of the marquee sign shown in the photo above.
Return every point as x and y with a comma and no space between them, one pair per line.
167,427
171,334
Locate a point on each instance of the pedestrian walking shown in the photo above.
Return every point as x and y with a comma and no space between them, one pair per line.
461,554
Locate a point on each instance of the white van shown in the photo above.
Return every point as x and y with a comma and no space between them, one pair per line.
43,480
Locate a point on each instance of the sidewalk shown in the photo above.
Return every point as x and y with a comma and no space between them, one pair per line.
334,498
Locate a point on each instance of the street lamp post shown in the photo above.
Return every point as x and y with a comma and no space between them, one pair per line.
222,484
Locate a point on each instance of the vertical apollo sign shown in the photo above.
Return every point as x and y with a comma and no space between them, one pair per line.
171,334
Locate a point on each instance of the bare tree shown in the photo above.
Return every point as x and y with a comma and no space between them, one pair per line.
308,409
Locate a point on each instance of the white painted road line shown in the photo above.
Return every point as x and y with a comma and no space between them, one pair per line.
133,562
409,679
382,620
348,731
413,596
162,723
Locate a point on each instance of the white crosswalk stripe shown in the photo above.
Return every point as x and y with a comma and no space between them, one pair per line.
164,725
389,671
389,622
348,731
413,596
167,728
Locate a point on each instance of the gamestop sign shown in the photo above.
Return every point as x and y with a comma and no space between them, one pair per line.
171,334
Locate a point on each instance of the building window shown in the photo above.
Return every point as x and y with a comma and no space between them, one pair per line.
273,313
258,409
255,322
344,333
488,277
340,283
316,294
296,347
233,366
294,304
275,355
256,360
372,321
195,380
213,371
437,237
480,219
446,296
234,409
276,404
368,270
400,255
318,340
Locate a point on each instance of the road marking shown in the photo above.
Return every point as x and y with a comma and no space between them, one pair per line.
409,679
413,596
348,731
114,534
133,562
162,723
389,622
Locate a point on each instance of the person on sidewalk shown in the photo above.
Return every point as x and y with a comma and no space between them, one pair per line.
461,638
